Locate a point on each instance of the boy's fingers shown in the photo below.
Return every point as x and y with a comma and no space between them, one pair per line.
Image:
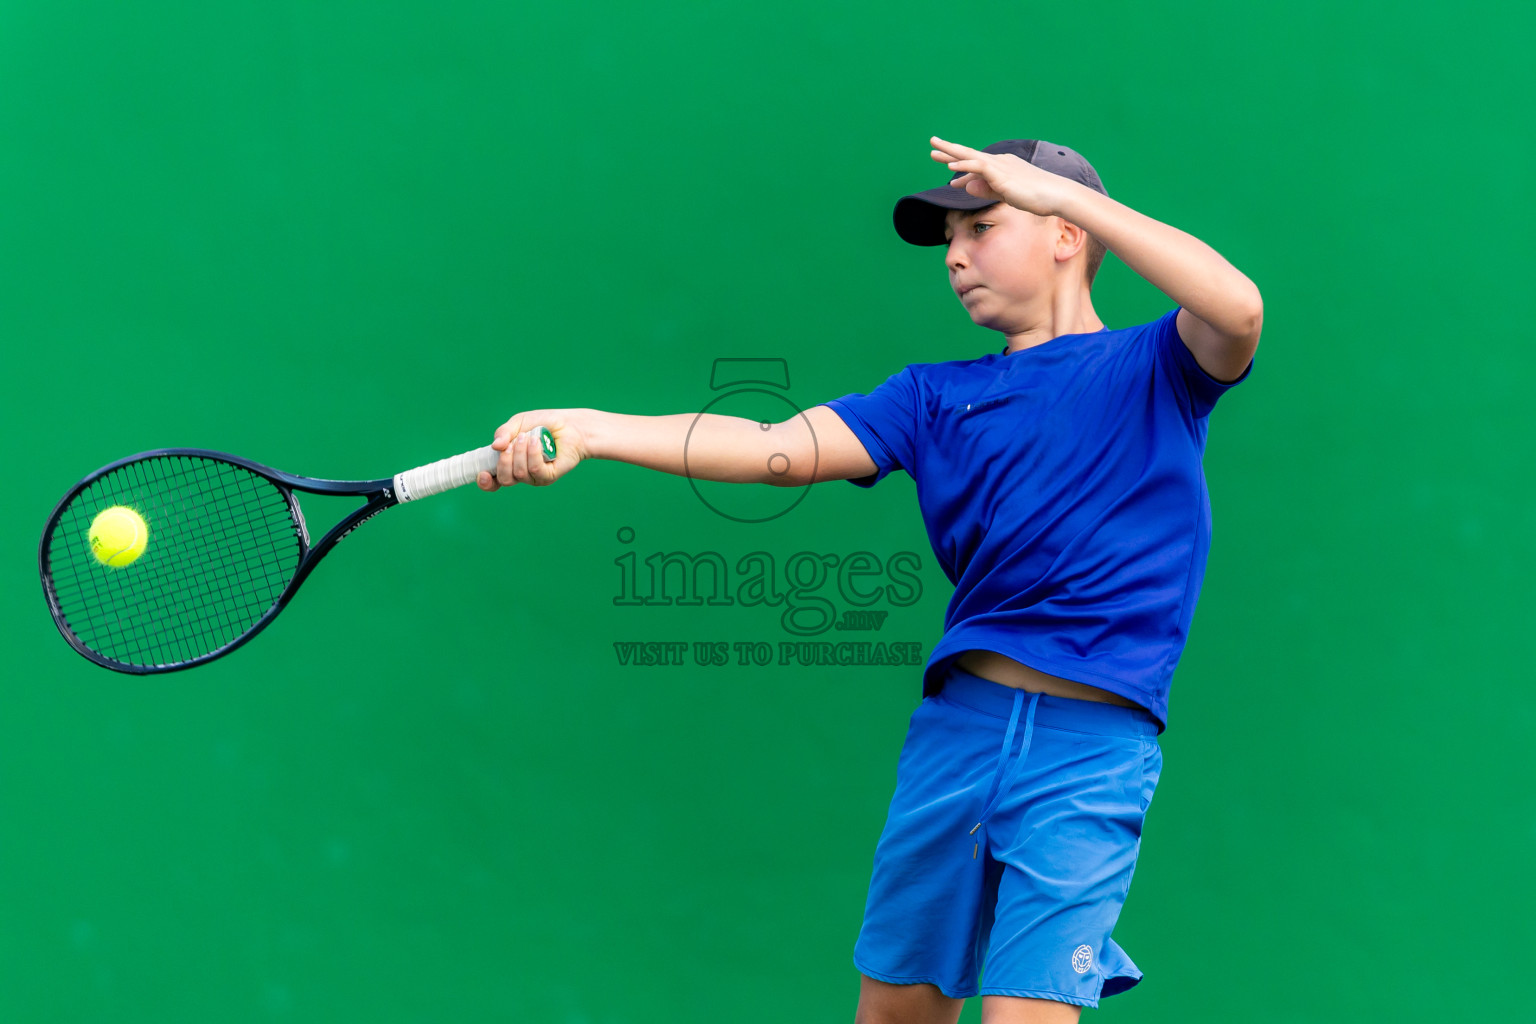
507,466
520,458
487,482
527,456
507,431
952,147
527,453
953,158
542,471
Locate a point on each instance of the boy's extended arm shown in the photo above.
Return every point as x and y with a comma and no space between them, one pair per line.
812,447
1222,312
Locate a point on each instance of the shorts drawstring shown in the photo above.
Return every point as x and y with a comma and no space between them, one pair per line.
1001,780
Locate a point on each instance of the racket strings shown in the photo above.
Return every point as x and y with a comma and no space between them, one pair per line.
223,544
230,609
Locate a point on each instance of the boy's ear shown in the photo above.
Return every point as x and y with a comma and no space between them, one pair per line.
1070,240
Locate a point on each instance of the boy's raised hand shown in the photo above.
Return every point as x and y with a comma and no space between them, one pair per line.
522,460
1002,176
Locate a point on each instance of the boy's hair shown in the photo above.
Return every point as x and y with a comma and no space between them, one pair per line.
1096,251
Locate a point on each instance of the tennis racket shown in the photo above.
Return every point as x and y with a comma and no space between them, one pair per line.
227,549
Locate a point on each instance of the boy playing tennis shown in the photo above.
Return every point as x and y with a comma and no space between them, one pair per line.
1060,482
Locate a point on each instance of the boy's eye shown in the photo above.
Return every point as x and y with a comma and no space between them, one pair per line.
949,239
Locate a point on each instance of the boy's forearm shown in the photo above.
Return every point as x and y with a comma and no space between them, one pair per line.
724,448
1178,264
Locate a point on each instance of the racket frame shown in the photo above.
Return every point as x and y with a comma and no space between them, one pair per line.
380,495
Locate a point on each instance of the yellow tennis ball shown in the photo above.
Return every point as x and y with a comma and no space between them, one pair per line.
118,536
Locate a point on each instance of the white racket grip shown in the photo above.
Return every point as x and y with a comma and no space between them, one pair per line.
445,474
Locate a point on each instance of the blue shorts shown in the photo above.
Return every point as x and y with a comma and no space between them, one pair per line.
1010,844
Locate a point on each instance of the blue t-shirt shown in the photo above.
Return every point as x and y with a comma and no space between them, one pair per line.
1063,494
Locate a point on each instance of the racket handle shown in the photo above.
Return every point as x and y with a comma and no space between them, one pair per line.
457,471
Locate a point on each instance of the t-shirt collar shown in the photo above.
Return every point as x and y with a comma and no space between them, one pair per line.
1101,330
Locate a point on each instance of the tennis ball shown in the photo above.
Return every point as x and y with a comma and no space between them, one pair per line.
118,535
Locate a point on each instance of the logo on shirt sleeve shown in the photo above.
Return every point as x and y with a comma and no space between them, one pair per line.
1082,959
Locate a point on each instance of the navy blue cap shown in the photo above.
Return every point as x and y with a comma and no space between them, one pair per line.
920,216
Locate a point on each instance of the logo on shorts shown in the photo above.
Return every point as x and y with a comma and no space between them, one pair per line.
1082,959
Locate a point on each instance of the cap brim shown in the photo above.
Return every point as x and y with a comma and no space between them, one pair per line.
919,217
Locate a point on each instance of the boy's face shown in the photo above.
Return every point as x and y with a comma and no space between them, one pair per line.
1002,261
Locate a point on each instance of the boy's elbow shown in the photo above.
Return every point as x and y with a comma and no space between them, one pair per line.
1239,320
1253,315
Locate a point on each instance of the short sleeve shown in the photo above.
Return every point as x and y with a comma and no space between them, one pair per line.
1200,388
885,422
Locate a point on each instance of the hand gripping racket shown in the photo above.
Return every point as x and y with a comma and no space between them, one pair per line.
227,549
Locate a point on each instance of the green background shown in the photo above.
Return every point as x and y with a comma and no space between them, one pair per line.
345,238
